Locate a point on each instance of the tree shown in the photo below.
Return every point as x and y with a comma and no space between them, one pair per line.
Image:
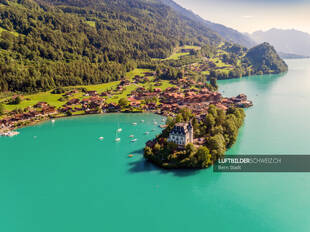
217,145
1,109
210,121
213,83
123,102
221,116
5,44
190,149
15,101
203,156
18,100
148,151
171,147
69,113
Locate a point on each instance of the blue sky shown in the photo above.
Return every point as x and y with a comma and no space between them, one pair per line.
252,15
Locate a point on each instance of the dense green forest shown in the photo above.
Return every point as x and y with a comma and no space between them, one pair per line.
45,44
219,129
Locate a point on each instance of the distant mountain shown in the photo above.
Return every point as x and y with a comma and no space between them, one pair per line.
284,55
292,42
264,59
227,33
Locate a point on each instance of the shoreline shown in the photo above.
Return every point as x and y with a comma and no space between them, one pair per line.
5,130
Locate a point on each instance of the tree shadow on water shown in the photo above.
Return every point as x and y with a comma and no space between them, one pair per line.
143,165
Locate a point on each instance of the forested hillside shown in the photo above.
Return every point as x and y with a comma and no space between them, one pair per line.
264,59
47,43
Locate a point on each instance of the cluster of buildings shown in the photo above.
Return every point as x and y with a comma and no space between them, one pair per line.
172,99
37,112
166,102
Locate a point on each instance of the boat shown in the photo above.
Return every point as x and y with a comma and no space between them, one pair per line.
101,138
146,132
142,120
119,128
134,123
155,123
134,140
117,139
130,156
53,121
131,136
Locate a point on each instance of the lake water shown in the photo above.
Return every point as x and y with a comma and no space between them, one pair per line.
61,177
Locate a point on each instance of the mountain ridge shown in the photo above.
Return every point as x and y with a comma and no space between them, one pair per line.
229,34
290,41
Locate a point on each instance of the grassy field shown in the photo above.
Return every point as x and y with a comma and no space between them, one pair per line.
12,32
176,56
177,52
53,99
191,47
137,71
91,23
30,100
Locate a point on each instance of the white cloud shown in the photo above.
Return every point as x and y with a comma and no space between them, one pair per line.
247,16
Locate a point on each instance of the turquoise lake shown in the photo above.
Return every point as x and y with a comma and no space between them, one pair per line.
61,177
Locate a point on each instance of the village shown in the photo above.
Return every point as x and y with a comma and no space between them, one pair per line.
168,102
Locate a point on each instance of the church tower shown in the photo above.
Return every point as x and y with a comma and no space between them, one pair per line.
191,132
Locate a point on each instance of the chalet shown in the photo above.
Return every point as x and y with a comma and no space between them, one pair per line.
73,101
221,106
92,93
49,110
119,88
112,107
70,93
124,83
85,101
151,106
172,89
204,91
104,94
135,104
140,89
149,74
40,105
157,90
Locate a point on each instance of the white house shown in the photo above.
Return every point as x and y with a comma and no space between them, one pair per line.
182,134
